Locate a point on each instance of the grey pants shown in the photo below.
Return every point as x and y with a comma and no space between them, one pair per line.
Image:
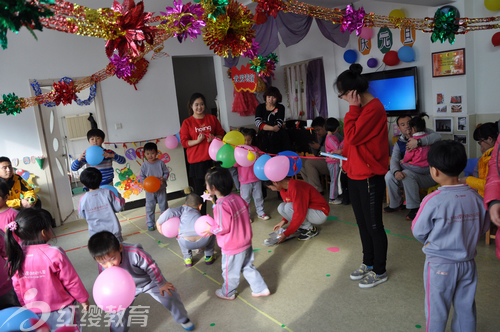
234,265
311,171
253,189
411,184
234,175
334,170
313,217
159,197
67,316
207,243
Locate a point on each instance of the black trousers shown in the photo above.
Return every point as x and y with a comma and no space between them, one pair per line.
366,198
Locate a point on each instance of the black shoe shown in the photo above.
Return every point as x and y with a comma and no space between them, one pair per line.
412,214
346,200
308,234
388,209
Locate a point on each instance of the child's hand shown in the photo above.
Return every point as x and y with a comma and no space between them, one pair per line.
279,225
108,155
314,145
162,180
167,288
26,204
282,238
339,152
85,305
206,233
495,214
82,156
272,187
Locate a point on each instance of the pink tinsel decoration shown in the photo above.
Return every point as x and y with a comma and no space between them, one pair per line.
353,20
189,22
123,66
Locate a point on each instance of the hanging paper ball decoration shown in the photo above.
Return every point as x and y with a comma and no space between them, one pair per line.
406,54
171,142
372,63
350,56
397,13
391,58
495,40
366,33
493,5
445,24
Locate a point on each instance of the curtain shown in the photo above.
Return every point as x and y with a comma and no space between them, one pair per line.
316,89
293,27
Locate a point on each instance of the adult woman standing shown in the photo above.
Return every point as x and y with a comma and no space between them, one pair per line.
269,118
196,133
367,151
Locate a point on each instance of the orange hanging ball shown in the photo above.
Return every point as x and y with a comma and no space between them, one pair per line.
151,184
495,40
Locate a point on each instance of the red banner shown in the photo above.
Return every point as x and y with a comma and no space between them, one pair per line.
244,79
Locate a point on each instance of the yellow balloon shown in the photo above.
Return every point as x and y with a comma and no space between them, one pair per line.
493,5
397,13
234,138
251,156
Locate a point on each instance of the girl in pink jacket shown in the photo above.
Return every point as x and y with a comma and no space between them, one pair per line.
43,277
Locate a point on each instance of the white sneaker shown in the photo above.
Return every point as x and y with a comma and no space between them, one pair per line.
265,292
264,217
335,201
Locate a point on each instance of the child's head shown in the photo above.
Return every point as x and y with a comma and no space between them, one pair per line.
91,177
150,151
105,248
32,226
448,157
249,135
4,193
332,125
219,179
194,200
486,135
6,170
95,137
417,123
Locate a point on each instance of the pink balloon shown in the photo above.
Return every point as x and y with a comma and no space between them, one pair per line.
114,289
241,155
214,148
277,168
171,142
366,33
170,228
203,224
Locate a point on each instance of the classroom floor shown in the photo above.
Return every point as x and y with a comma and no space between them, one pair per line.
309,280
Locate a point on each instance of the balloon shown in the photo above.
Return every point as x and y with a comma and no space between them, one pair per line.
295,163
109,187
25,175
171,142
372,62
406,54
170,228
214,148
350,56
397,13
114,289
94,155
366,33
391,58
495,40
16,319
226,156
493,5
277,168
203,224
234,138
151,184
242,154
258,167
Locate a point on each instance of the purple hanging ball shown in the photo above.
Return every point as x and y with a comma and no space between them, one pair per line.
372,62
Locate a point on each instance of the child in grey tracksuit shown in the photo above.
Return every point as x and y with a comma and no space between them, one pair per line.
449,223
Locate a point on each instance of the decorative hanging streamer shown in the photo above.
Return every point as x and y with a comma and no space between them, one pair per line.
213,8
353,20
38,91
264,66
141,67
445,26
123,66
10,104
269,7
65,92
184,20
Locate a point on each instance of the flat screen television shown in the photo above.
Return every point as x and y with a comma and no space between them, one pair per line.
397,90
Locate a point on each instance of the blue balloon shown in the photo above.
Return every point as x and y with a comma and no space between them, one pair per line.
178,137
16,319
295,163
93,155
258,167
350,56
406,54
109,187
372,62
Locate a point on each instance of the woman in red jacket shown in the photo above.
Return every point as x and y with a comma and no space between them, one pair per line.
366,148
197,132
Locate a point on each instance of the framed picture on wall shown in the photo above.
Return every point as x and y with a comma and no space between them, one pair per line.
462,123
448,63
443,125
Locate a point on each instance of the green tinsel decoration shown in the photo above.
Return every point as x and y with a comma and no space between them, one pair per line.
10,104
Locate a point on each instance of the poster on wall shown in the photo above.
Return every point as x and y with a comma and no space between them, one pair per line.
456,108
407,36
460,138
364,46
462,123
384,40
443,125
448,63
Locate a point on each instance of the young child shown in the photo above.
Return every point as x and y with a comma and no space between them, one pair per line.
17,187
105,248
154,167
43,277
99,206
7,214
8,297
188,238
250,185
234,236
449,223
333,145
96,137
416,159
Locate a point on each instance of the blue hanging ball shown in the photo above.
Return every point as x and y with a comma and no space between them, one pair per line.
406,54
350,56
372,62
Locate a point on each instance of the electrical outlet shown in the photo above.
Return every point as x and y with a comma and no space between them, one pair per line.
118,126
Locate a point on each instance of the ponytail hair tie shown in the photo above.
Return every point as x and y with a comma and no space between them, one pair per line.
12,226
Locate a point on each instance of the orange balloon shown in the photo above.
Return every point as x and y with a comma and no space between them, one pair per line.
151,184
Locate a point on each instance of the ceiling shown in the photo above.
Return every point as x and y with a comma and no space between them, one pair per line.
344,3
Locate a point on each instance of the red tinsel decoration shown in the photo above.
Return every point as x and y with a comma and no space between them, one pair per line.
269,7
64,92
141,67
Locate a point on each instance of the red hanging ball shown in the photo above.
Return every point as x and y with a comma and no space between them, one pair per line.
391,58
495,40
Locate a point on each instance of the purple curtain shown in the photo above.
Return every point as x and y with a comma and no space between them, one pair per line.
231,61
332,32
316,89
267,36
293,27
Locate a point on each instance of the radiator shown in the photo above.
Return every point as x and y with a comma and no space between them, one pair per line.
77,126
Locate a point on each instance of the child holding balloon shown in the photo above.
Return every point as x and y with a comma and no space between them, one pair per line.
98,206
107,251
43,277
154,167
187,238
96,138
234,235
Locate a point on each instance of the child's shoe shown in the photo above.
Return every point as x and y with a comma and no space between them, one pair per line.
360,272
151,228
188,262
372,279
264,217
188,326
221,295
335,201
265,292
209,260
308,234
